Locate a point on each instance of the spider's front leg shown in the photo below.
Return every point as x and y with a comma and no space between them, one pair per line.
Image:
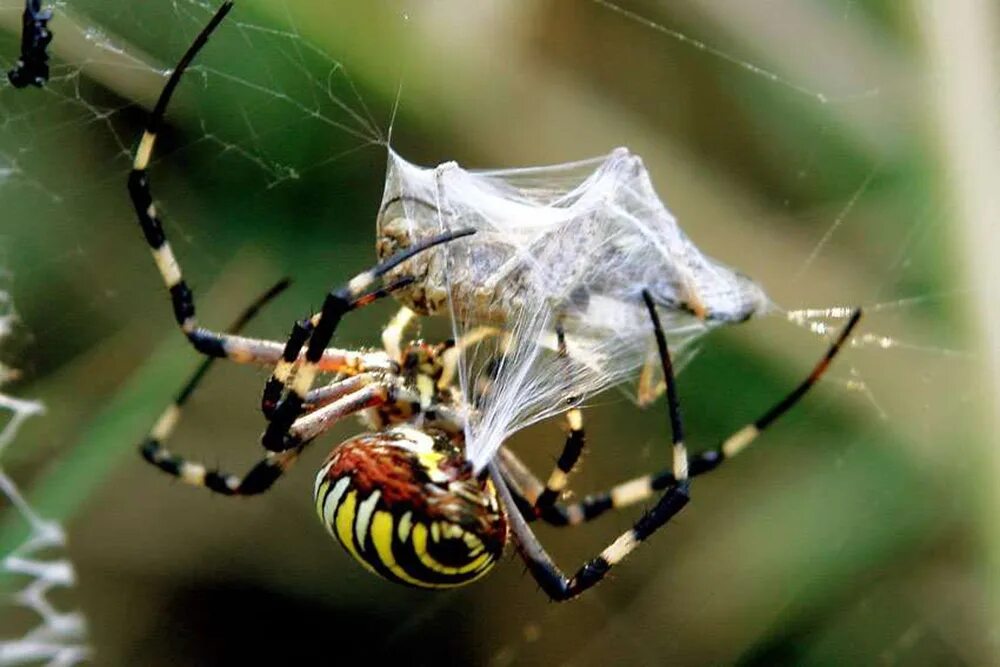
541,501
318,331
291,355
534,498
206,341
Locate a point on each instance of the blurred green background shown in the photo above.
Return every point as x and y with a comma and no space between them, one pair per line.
795,140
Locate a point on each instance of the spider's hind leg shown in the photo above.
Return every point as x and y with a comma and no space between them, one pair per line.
331,403
541,501
544,498
541,565
526,487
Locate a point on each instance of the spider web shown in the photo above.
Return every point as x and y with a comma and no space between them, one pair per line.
56,637
281,124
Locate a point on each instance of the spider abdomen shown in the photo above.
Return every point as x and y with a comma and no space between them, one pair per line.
406,506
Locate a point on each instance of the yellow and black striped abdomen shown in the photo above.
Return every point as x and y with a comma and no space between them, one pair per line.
388,524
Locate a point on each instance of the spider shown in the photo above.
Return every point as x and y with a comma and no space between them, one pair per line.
401,498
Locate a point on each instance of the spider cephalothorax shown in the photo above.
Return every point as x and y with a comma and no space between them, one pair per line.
405,503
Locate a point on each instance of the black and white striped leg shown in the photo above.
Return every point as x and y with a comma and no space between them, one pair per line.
642,488
559,478
205,341
332,403
541,565
291,355
572,449
210,343
264,474
152,448
318,331
526,488
329,404
142,200
259,479
547,573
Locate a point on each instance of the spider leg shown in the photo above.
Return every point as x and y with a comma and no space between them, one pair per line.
558,479
318,330
527,489
541,565
333,402
328,393
392,335
259,479
545,498
636,490
205,341
152,448
450,357
377,392
169,417
348,392
291,354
